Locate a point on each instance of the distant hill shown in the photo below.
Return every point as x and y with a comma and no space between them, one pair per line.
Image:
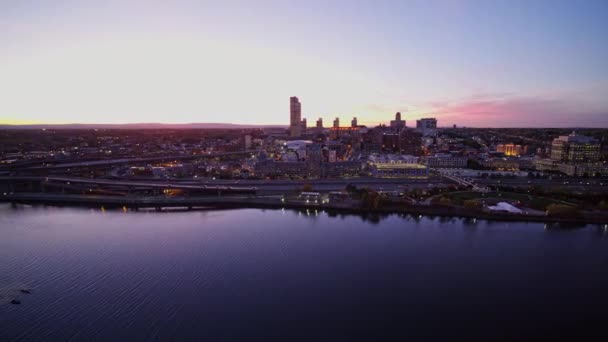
139,126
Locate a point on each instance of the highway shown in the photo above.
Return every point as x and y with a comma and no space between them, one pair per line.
90,181
580,186
597,184
235,185
267,186
122,161
139,201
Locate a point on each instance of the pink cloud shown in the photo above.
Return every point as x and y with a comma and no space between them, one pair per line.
511,111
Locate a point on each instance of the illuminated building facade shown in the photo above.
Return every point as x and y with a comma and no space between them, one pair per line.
337,132
512,150
414,171
396,166
575,149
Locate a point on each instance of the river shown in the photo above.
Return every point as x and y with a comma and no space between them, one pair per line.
252,274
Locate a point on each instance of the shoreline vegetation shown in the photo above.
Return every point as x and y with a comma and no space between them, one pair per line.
370,205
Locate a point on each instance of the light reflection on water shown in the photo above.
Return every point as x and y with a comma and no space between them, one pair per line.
122,275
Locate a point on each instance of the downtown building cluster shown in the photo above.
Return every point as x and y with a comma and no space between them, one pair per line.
386,151
396,150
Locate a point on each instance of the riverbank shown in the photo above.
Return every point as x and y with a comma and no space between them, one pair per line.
277,202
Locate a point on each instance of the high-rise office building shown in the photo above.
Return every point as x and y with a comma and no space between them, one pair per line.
410,142
353,123
295,123
337,123
398,123
320,123
313,160
575,148
390,142
427,126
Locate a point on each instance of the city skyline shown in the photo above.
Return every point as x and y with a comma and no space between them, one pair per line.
469,63
278,170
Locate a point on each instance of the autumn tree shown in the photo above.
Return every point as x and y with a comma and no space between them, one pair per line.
472,204
561,210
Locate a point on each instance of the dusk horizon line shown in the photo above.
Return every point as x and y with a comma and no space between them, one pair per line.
37,125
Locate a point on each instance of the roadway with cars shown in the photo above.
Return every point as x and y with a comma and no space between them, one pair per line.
260,185
277,186
122,161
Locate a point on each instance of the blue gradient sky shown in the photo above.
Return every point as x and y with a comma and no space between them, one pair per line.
473,63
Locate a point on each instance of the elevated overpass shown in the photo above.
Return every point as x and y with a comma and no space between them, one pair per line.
140,202
11,183
67,183
121,161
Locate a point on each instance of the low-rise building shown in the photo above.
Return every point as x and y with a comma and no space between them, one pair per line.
526,163
399,171
307,169
571,169
286,169
393,159
341,169
396,166
584,169
275,131
546,164
445,161
508,164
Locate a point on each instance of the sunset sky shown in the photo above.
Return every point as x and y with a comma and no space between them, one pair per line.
509,63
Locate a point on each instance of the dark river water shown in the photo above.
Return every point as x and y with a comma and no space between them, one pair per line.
285,275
